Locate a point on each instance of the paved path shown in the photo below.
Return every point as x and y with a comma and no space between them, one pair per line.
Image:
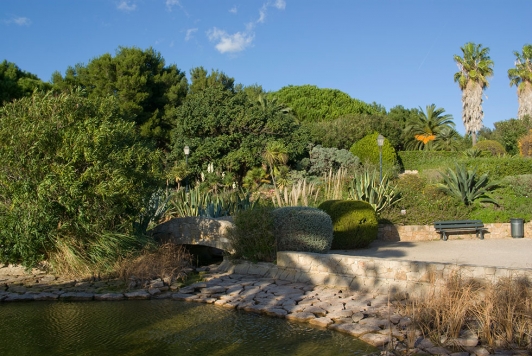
509,253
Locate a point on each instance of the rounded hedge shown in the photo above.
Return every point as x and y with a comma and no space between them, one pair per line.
491,146
367,150
300,228
354,223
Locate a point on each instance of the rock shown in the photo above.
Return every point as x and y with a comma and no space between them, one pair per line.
477,351
317,311
277,312
154,291
46,296
377,340
156,284
109,296
354,329
14,297
323,322
357,317
437,350
138,294
76,296
213,290
301,317
183,296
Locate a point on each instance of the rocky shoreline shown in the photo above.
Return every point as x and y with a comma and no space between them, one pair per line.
369,317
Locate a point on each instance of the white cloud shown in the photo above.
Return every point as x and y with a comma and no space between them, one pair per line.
233,10
126,6
241,40
20,21
280,4
230,43
190,33
171,3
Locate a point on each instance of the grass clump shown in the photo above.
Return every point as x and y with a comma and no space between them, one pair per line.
499,313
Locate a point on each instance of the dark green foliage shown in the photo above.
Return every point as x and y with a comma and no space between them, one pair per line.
302,229
323,159
200,80
423,204
491,146
466,185
145,86
421,160
343,131
72,168
367,151
310,103
354,223
16,83
508,133
252,237
226,129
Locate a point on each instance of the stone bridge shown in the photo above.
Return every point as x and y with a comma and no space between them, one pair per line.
194,230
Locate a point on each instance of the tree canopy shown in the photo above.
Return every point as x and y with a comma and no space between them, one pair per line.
310,103
229,130
145,87
16,83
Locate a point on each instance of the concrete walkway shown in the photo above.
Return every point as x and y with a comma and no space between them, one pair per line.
508,253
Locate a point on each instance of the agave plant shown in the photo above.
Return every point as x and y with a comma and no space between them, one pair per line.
367,187
466,185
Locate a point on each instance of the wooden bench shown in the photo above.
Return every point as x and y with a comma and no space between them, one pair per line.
443,227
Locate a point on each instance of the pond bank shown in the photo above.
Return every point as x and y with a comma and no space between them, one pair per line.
367,315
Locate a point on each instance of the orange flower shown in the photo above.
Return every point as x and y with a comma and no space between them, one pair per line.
425,138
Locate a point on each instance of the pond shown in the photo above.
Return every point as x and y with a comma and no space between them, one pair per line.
160,327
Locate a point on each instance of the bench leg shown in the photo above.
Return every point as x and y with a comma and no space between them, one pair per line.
481,235
444,236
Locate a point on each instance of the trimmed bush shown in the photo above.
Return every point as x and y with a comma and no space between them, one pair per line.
302,229
500,167
491,146
367,150
354,223
252,236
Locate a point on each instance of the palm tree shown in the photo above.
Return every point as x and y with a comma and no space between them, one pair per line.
272,104
521,77
274,154
426,127
474,68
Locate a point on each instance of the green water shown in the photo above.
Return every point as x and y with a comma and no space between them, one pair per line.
159,327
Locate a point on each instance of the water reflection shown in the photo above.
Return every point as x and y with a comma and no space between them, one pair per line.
159,327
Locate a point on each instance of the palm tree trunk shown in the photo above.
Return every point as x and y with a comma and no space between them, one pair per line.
524,98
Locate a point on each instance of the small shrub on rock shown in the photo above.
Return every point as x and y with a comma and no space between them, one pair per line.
302,229
354,223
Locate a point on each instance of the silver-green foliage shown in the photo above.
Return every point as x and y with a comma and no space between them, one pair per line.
367,187
302,229
466,185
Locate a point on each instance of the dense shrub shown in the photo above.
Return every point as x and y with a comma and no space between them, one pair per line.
525,145
302,229
324,159
354,223
367,151
422,204
421,160
72,170
252,237
491,146
500,167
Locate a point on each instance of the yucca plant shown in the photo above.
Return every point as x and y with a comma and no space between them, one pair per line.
368,187
466,185
297,194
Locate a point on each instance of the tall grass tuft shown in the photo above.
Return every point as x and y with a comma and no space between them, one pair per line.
167,261
298,194
78,258
499,313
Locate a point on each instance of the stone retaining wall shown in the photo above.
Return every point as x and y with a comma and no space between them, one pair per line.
426,232
369,274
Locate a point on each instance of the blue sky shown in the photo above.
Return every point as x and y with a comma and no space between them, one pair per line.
393,52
